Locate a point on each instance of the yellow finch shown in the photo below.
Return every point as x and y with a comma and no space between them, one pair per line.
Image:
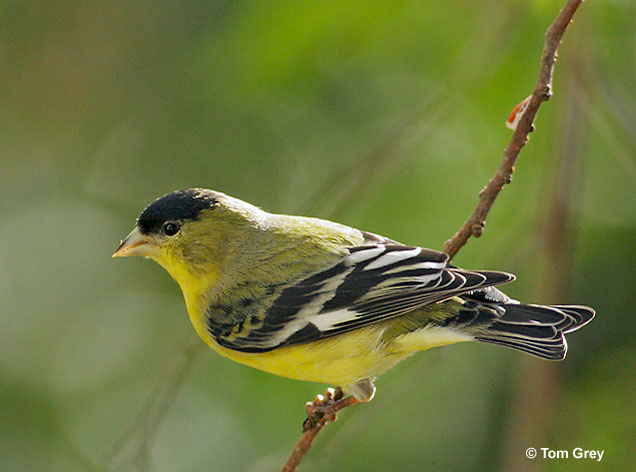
314,300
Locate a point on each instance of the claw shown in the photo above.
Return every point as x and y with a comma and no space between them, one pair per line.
325,408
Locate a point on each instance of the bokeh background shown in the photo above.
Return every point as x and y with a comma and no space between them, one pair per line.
388,116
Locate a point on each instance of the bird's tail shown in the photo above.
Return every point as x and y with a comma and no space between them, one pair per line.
536,329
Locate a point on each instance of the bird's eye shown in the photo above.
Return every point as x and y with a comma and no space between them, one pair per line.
170,228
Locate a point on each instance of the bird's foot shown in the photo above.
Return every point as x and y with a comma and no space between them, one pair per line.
324,408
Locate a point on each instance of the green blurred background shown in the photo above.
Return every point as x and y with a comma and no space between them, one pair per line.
388,116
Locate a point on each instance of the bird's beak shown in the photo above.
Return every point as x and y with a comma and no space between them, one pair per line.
136,244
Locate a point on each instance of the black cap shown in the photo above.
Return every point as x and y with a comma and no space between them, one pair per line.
180,205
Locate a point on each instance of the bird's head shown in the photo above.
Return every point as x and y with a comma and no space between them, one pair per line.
190,232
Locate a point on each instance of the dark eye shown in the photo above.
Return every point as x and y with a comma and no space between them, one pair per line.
170,228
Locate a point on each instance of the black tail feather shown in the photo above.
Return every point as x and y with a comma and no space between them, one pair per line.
537,329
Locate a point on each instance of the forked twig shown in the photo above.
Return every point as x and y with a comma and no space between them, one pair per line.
473,226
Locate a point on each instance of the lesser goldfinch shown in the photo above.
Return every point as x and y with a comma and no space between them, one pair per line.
313,300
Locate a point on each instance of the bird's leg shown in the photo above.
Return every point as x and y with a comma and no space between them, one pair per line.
324,408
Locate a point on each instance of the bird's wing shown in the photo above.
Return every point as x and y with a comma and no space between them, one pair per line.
369,284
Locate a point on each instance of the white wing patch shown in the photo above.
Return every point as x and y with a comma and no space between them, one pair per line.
417,265
326,321
366,254
393,257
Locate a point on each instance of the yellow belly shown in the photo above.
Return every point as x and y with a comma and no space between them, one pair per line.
340,360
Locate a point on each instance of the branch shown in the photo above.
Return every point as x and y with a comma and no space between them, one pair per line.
474,225
322,411
319,413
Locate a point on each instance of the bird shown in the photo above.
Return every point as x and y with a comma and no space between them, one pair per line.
314,300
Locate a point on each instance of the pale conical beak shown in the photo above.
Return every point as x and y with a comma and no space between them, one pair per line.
136,244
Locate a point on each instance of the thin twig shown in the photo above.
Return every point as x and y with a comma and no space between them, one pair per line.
319,412
474,225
